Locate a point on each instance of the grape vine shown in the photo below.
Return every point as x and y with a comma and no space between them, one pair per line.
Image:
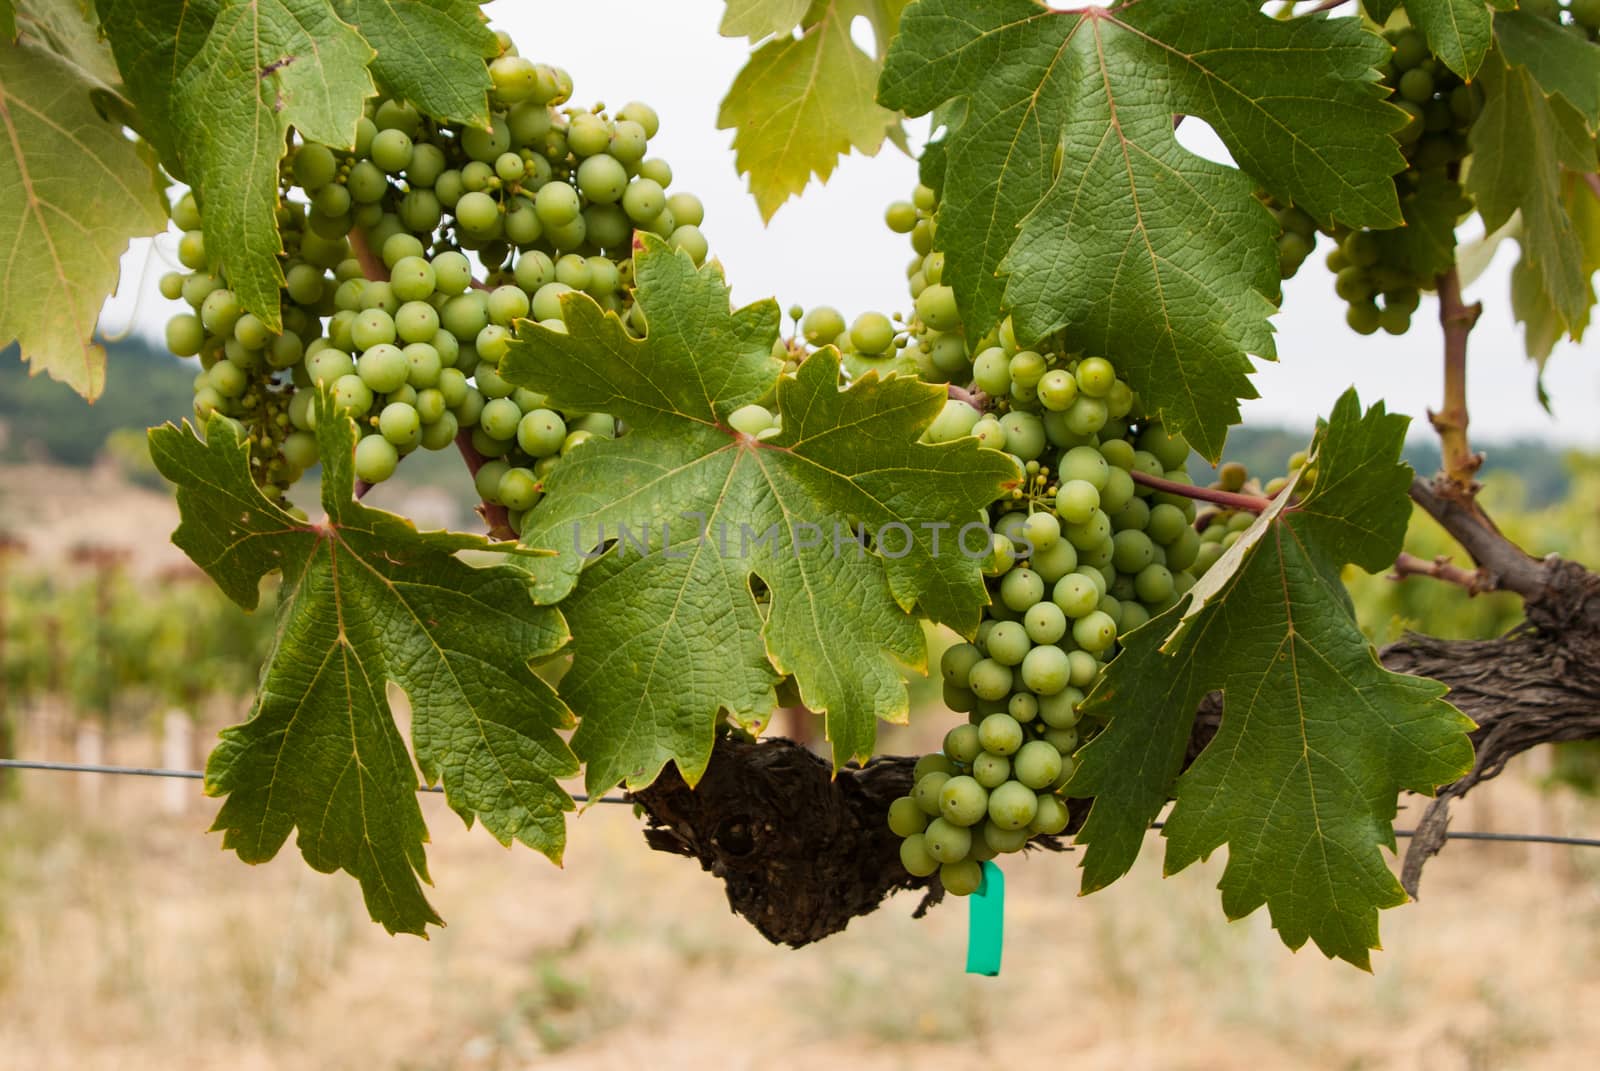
692,516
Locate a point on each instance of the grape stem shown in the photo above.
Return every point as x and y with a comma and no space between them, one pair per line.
496,517
1473,581
1231,499
1457,318
975,398
362,487
372,265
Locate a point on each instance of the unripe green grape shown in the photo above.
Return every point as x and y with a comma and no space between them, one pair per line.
1131,551
990,680
1088,536
962,801
534,269
1086,416
1002,555
1051,815
644,200
392,150
185,334
500,418
1027,368
486,146
955,420
546,304
403,393
518,489
351,395
430,405
1395,320
1021,589
906,818
1060,710
478,213
822,325
686,209
465,315
963,878
1076,595
946,841
936,307
1055,561
928,786
412,278
206,402
1000,733
441,433
490,383
1065,741
1085,463
990,770
541,433
383,368
399,423
872,333
1096,377
989,433
628,141
507,304
228,380
588,134
1036,765
933,762
955,665
901,216
1046,670
603,179
691,241
1042,530
750,420
1416,85
947,352
1181,553
991,371
1024,434
1057,390
327,365
1095,631
1077,500
375,459
1012,806
1364,317
915,857
416,321
1007,643
638,112
423,367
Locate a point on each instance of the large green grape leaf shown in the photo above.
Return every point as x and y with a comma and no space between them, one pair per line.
1458,31
70,29
1543,325
72,193
1317,738
667,624
803,102
1068,199
366,600
8,21
1558,61
430,52
226,80
1521,142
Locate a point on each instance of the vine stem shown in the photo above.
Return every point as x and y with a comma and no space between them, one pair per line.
1457,318
1231,499
975,398
496,517
1473,581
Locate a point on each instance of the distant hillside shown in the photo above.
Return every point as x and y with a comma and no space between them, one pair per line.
44,419
1541,467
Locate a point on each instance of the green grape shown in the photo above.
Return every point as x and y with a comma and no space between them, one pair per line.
1021,589
1042,531
185,335
916,858
1007,643
1096,377
1090,534
961,879
430,405
1055,561
955,665
872,333
441,433
1051,815
487,480
1057,390
423,365
1154,584
1085,463
1086,416
1024,434
352,395
1000,733
1119,491
1076,595
990,770
822,325
1045,623
644,200
1095,631
1060,711
961,744
936,307
901,216
956,420
1417,86
1077,501
383,368
933,762
518,489
1046,669
962,801
490,383
392,150
1132,551
416,321
546,304
304,282
1012,805
376,458
1004,840
603,179
991,371
990,679
500,418
1364,317
1037,764
1023,706
372,327
750,420
948,842
686,209
906,818
1027,368
400,424
689,239
989,433
413,279
228,380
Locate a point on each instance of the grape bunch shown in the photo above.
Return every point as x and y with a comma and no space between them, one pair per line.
1093,544
408,262
1221,527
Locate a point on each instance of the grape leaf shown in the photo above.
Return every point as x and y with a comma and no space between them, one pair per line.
1557,60
430,52
1317,738
760,19
1543,324
1379,10
1458,31
1068,200
803,102
8,21
227,79
70,199
1520,143
668,627
1426,245
70,30
367,599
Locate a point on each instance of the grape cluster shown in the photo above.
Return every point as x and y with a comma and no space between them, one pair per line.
1221,527
408,262
1091,546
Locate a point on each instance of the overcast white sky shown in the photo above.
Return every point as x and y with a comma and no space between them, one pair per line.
831,246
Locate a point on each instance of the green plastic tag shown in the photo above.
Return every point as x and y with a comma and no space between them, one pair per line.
986,922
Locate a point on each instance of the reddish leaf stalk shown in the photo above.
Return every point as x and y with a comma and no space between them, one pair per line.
1473,581
1231,499
496,517
1457,318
